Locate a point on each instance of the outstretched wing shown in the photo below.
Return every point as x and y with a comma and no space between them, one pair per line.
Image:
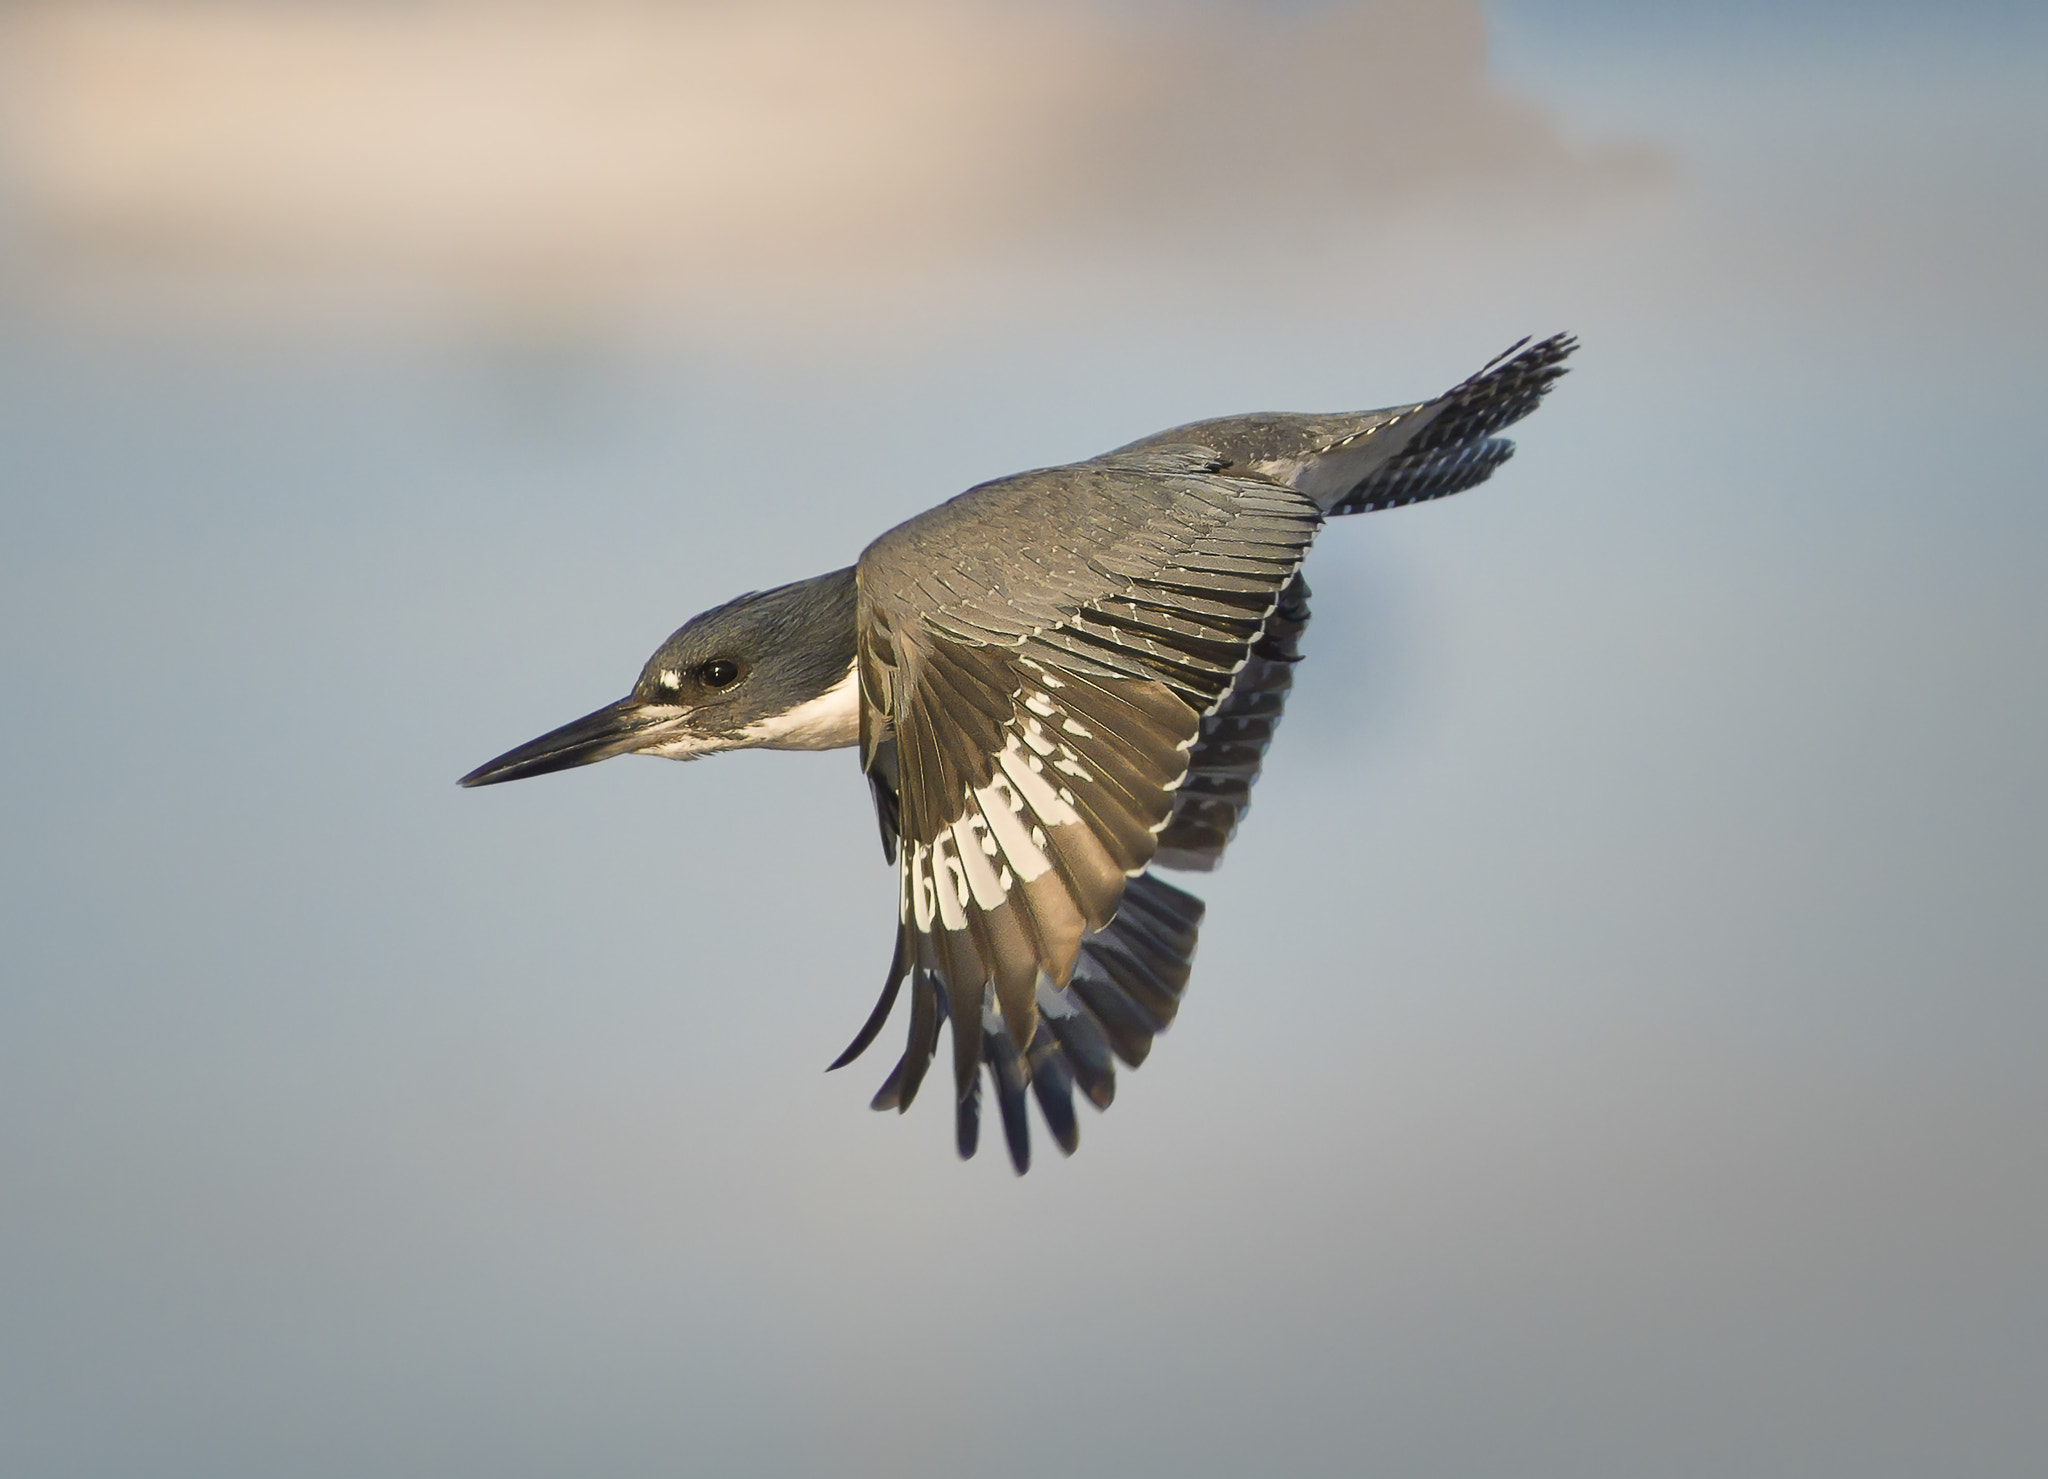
1073,674
1034,733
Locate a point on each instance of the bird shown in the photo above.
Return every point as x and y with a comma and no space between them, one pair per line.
1059,683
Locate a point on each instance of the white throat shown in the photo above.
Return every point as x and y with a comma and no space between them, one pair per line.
827,722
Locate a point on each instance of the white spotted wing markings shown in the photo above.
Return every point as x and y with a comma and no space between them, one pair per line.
999,839
1001,836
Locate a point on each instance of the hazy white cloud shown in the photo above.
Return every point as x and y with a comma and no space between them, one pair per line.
487,153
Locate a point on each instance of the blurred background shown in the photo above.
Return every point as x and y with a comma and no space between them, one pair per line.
1616,1047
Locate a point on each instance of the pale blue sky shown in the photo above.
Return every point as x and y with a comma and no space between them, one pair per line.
1615,1043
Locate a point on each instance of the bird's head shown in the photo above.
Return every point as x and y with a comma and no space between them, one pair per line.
771,669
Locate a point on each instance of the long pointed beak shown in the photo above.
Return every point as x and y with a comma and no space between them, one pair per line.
615,729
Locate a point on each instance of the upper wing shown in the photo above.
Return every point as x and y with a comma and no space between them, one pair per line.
1037,660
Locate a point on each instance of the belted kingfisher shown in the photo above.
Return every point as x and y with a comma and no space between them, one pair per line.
1059,682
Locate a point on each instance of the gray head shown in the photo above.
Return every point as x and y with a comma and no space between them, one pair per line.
772,668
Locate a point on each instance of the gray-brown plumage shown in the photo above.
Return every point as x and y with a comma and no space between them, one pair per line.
1058,681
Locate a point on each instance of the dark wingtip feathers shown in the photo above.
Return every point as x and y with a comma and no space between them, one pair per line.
898,968
1012,1076
1053,1086
1125,991
967,1122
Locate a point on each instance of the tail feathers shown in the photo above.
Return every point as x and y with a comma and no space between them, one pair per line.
1455,448
1355,461
1432,475
1498,396
1125,990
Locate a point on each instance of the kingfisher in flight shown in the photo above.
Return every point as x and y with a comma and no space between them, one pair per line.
1060,683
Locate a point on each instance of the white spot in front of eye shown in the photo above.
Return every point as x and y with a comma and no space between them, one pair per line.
670,678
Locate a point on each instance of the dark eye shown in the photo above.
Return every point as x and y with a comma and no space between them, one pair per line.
720,672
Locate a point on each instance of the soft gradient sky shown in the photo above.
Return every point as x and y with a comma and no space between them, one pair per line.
1616,1044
